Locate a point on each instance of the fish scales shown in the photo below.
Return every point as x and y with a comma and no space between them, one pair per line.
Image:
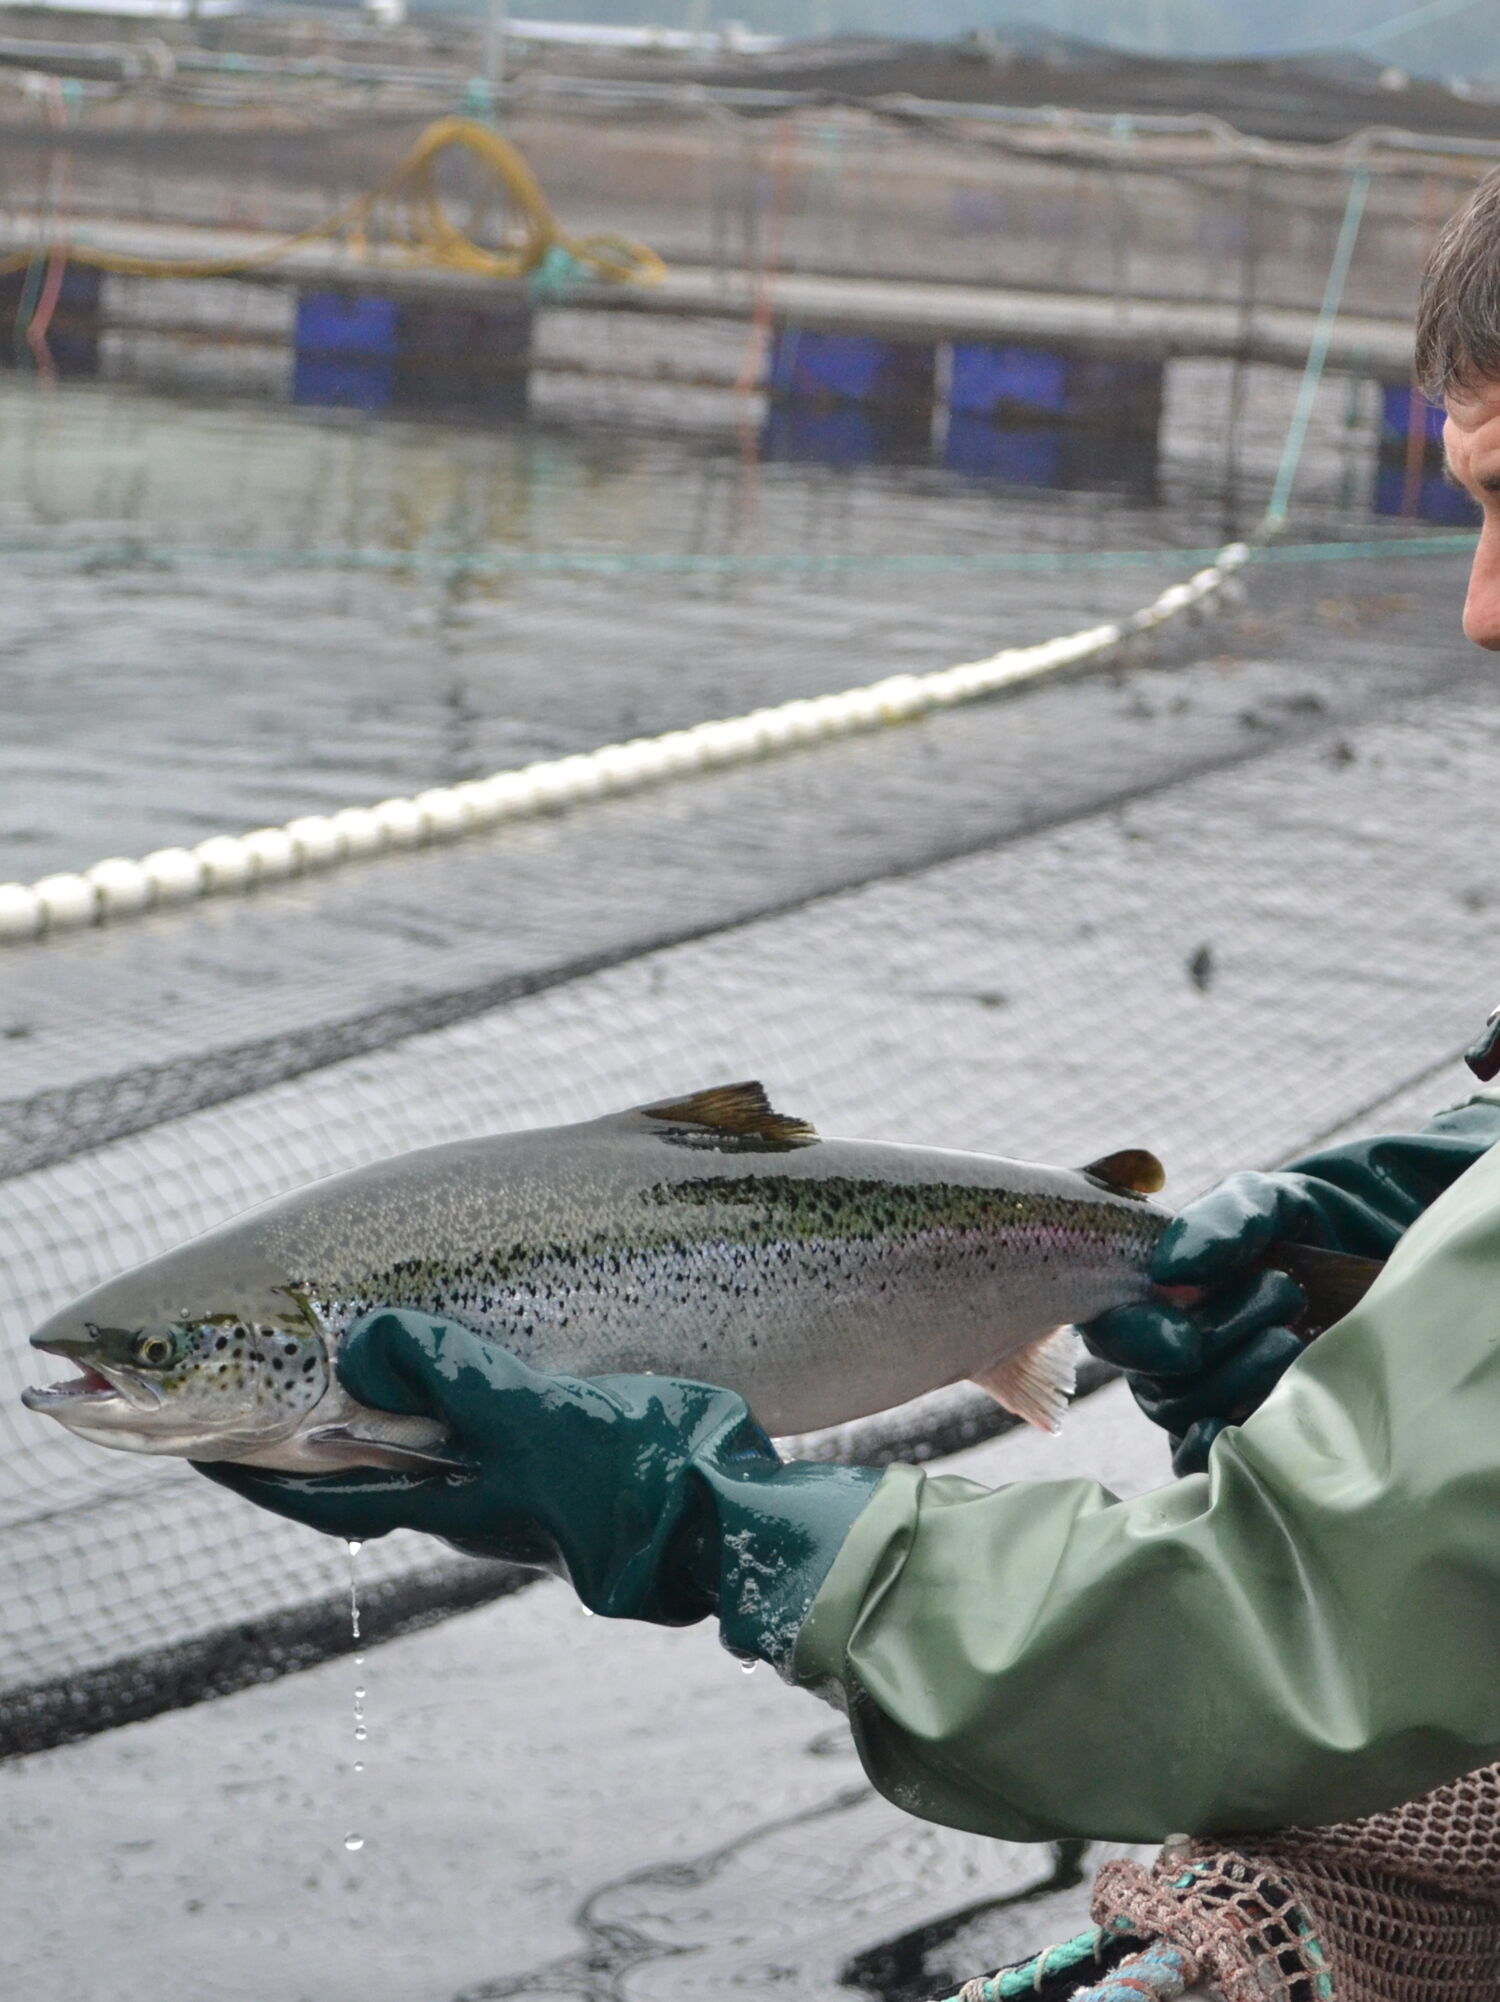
794,1277
822,1279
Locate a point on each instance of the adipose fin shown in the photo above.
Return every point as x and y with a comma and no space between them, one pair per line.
1131,1172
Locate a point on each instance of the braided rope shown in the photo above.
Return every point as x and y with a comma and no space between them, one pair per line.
1157,1972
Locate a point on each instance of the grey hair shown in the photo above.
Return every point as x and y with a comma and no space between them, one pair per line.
1458,315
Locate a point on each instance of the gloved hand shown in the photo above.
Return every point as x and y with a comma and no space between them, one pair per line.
658,1499
1196,1368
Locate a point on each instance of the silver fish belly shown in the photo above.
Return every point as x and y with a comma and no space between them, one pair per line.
709,1237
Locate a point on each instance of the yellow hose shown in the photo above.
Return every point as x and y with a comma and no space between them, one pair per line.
406,212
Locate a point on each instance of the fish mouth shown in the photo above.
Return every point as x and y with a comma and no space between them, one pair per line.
93,1386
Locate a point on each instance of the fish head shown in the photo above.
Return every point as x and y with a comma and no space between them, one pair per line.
209,1386
219,1350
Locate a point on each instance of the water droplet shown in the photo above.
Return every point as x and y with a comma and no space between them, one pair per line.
359,1765
355,1546
360,1734
354,1842
587,1612
748,1667
359,1696
359,1661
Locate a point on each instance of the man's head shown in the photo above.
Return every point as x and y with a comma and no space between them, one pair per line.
1458,366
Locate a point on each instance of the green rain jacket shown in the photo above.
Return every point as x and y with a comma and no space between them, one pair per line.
1308,1632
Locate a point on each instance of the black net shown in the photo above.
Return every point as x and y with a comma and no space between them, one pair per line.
1152,976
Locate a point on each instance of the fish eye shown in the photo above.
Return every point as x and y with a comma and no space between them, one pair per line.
155,1351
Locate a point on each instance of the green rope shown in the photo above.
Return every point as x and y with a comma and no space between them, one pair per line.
1080,1955
558,274
1317,354
1458,544
1408,23
625,563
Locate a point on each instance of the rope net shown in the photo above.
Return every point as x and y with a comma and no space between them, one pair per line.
843,189
1399,1907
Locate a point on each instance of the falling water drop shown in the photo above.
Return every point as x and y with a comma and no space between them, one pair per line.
354,1547
355,1842
587,1612
748,1667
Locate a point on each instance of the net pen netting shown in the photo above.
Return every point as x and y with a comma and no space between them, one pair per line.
1167,932
1223,972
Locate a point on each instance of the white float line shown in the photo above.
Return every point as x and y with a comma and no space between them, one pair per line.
118,888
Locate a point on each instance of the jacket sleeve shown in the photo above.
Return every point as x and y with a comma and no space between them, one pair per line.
1306,1633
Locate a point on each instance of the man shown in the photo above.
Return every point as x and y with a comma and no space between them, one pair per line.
1307,1629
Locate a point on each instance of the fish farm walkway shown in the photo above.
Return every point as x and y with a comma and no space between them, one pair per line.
890,309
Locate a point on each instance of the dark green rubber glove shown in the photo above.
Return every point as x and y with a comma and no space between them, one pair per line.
1196,1369
658,1499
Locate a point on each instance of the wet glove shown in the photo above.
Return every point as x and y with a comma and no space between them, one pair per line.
1196,1369
658,1499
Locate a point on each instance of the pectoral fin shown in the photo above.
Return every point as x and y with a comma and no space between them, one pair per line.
1036,1382
344,1446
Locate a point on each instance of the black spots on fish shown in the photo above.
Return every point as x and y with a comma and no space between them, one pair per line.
789,1212
221,1342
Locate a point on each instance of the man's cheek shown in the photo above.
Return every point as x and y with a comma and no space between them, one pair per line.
1482,606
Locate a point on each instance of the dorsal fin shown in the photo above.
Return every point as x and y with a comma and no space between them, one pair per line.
1132,1171
733,1112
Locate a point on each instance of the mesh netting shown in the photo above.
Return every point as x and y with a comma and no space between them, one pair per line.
1399,1907
863,193
1048,998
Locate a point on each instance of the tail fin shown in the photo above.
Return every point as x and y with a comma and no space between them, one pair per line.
1334,1281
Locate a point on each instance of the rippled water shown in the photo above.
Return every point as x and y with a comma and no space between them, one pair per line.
216,615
